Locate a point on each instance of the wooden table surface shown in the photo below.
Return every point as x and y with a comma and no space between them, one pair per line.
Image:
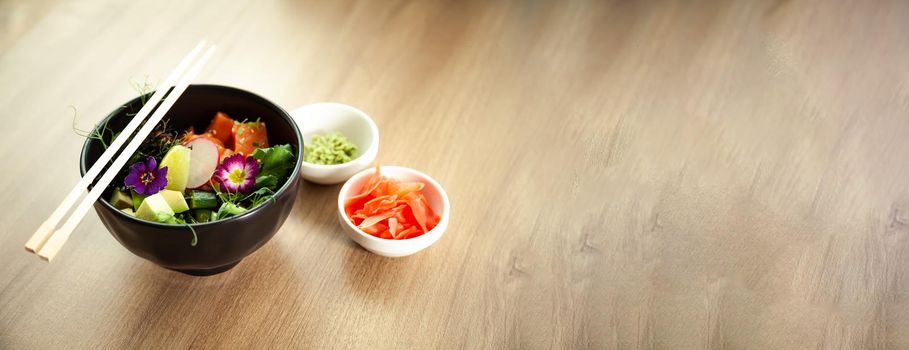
623,174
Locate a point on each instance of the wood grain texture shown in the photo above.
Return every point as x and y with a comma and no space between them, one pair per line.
623,174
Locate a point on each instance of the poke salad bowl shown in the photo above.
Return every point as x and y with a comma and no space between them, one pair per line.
222,244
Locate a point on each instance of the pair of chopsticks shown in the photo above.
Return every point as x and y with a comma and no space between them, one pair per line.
47,240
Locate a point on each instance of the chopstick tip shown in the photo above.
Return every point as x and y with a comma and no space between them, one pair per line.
40,237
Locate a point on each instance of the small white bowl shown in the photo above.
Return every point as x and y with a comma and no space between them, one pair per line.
358,127
434,194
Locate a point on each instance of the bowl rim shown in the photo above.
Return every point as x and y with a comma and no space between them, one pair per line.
438,230
371,151
283,113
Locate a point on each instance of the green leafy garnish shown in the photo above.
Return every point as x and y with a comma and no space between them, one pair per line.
188,221
144,89
266,181
229,209
96,133
195,237
275,163
260,196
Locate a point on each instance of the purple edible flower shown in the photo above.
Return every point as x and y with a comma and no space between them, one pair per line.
237,173
145,179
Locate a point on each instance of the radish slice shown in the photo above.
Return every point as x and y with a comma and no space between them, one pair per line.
203,159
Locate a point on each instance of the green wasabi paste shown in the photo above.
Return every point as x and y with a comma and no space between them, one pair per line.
328,149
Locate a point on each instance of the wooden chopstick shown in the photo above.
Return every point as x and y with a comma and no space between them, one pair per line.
39,238
46,229
58,238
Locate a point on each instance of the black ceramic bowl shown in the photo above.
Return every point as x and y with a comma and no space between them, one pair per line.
221,244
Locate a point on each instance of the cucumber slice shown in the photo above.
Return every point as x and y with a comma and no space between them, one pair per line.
137,199
203,215
202,200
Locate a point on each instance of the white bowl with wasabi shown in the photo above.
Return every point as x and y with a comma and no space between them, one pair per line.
339,141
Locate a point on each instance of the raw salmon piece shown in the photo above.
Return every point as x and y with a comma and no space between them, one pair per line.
249,136
221,127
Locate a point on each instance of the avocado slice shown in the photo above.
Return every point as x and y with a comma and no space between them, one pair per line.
155,208
175,200
121,200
